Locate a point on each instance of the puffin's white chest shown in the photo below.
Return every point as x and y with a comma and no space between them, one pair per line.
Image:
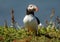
30,21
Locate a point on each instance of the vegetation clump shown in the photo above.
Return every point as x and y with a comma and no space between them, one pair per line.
22,35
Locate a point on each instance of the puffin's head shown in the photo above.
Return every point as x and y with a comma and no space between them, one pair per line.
32,8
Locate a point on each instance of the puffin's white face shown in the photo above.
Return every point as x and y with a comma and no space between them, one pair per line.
32,7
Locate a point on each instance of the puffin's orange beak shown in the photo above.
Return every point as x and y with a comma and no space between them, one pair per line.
36,9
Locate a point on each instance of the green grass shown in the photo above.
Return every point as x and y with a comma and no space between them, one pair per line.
45,35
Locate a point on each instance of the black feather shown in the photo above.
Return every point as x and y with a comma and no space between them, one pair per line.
37,20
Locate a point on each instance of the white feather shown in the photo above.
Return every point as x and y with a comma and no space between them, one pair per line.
31,6
30,22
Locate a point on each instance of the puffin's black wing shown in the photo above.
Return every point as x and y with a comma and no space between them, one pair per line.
37,20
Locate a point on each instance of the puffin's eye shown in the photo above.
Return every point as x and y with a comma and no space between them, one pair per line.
30,6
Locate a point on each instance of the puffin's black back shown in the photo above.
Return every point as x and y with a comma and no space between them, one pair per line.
37,20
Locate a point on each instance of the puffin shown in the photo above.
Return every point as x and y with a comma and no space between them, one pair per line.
30,21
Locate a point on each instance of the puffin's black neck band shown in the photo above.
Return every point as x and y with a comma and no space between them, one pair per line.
29,12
